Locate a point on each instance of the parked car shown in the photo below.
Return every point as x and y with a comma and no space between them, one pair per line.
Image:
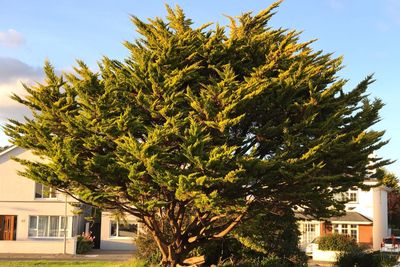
391,244
312,246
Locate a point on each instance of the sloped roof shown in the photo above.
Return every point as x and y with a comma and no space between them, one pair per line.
350,216
8,150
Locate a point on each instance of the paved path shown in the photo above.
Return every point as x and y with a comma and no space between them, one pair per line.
95,254
312,263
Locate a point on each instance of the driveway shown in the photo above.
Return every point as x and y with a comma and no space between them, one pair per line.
312,263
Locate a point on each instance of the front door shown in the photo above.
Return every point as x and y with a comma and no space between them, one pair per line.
8,225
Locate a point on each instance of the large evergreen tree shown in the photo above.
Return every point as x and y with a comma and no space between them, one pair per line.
200,129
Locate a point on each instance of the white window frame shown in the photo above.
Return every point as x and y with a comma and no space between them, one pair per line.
117,230
346,229
346,196
43,188
309,230
350,193
60,227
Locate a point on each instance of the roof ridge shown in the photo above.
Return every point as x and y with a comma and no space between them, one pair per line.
8,150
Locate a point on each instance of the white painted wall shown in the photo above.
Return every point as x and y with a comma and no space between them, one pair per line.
17,197
364,205
322,255
380,219
39,247
115,243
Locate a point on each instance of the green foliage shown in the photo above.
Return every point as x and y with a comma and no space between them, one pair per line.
84,243
271,261
272,235
147,250
358,257
196,120
387,178
337,242
390,180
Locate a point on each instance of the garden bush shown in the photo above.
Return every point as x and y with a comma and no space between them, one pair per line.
147,249
337,242
84,243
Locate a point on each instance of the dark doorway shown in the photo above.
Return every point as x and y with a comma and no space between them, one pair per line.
96,232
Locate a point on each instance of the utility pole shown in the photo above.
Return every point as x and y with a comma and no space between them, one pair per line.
65,224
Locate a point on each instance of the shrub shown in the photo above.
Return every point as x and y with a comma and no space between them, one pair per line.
361,258
84,243
147,249
337,242
267,261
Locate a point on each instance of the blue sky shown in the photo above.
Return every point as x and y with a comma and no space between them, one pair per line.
366,33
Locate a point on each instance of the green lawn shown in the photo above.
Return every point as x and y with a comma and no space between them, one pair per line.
49,263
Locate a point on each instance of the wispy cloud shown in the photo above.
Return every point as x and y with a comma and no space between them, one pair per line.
393,10
11,38
336,4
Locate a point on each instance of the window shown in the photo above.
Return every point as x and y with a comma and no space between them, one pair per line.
47,226
346,229
128,229
350,196
44,191
309,231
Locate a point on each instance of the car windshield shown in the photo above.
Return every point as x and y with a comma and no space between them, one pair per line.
391,241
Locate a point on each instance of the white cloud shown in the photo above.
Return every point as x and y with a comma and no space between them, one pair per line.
12,74
11,38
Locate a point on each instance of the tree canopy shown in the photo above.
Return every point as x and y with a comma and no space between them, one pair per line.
200,129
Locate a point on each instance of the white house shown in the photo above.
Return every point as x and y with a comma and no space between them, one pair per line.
366,218
33,217
118,235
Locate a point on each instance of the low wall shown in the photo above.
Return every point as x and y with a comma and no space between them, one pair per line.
117,244
38,246
325,255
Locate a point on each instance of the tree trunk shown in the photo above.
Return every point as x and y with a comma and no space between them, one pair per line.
171,260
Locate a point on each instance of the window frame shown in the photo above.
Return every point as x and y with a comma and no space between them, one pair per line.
62,220
117,230
350,193
52,192
346,229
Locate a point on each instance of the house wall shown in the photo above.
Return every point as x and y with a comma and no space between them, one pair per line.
115,243
24,209
17,197
364,205
380,220
16,188
39,246
365,234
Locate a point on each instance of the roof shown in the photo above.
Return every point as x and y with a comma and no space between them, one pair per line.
8,150
351,217
9,153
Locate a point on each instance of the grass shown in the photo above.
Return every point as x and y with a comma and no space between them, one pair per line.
52,263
